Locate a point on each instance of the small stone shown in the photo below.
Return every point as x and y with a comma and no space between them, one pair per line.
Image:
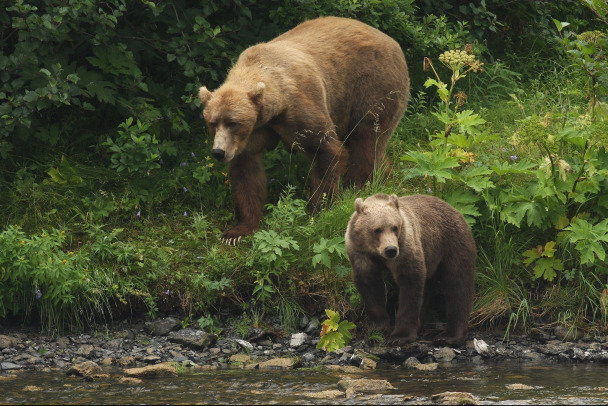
85,350
298,339
411,362
245,344
241,358
162,327
152,358
196,339
444,354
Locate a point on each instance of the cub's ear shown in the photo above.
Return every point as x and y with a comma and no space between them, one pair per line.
256,94
359,206
204,95
394,200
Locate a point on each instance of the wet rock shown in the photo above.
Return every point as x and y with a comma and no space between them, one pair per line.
326,394
519,386
126,361
454,398
164,370
426,367
531,355
411,362
7,366
162,327
130,381
352,386
280,363
196,339
87,368
444,354
349,369
367,363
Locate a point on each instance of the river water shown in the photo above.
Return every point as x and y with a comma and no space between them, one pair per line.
553,383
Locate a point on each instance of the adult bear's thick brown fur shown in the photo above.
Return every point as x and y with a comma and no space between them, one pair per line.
422,241
332,87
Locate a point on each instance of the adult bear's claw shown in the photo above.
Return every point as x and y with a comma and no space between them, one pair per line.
232,241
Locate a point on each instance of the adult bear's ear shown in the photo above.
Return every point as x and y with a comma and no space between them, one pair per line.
256,94
394,200
359,206
204,95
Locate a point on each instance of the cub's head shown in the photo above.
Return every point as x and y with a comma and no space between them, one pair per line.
231,114
376,225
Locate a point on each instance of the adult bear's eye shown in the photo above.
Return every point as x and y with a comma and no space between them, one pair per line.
395,229
378,231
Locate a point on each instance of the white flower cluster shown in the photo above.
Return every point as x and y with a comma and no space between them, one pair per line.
456,59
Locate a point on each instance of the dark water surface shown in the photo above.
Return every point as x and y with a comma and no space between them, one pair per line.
553,383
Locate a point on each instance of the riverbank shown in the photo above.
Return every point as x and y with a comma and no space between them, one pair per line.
139,344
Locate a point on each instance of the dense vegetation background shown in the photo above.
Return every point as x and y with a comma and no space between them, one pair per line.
111,205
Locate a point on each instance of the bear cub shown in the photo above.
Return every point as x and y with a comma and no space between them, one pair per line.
423,242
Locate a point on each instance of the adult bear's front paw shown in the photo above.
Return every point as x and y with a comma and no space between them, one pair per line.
235,234
399,340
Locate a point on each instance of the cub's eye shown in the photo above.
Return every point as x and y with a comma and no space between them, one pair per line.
231,124
378,231
212,124
395,229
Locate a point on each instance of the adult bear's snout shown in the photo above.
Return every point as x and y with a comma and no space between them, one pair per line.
218,154
391,251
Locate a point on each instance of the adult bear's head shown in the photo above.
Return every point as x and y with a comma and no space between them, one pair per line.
231,114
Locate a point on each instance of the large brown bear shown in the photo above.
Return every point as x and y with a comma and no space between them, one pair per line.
332,87
422,241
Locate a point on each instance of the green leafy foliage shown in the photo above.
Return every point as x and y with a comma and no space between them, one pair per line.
335,333
40,277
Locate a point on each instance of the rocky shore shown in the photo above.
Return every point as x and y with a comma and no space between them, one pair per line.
164,340
164,348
